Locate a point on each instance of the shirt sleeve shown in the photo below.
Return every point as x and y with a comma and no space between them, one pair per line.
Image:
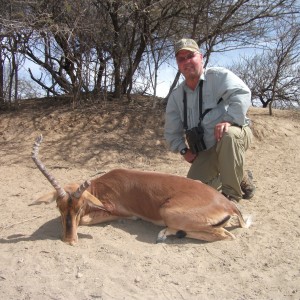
236,96
173,130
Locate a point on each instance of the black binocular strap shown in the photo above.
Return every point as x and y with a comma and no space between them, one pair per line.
185,125
201,115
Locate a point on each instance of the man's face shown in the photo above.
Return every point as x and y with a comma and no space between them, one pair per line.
190,64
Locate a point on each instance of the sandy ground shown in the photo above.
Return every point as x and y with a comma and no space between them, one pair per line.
120,260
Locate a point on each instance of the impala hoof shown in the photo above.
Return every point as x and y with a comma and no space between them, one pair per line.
162,236
160,240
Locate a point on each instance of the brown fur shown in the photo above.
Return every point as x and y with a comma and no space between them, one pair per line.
176,202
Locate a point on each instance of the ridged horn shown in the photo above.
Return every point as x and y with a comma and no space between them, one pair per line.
35,151
81,189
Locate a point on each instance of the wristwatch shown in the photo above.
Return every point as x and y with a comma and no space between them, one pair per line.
183,151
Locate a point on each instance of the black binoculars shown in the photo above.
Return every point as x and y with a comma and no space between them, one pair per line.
194,138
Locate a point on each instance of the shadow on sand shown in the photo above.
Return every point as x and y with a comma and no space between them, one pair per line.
144,232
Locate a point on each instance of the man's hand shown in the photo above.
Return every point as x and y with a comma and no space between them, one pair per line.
220,128
189,156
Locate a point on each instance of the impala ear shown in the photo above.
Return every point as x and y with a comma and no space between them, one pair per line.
47,199
95,207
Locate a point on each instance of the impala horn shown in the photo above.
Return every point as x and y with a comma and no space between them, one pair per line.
35,151
81,189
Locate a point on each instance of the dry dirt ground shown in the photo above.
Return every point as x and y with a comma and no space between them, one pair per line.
120,260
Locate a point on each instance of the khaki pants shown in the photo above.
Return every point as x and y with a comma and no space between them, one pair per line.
222,166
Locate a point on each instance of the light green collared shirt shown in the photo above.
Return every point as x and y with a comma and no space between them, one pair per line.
218,83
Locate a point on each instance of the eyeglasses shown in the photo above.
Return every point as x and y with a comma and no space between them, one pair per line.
182,59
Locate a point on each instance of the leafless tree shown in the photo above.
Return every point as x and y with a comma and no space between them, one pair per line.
2,62
220,26
95,46
10,60
273,75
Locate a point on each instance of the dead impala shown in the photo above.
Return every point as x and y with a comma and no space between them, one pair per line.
186,207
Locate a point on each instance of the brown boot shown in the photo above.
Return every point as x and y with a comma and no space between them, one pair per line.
247,185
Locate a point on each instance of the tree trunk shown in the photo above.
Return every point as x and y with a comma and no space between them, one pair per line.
172,86
1,79
270,108
117,77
